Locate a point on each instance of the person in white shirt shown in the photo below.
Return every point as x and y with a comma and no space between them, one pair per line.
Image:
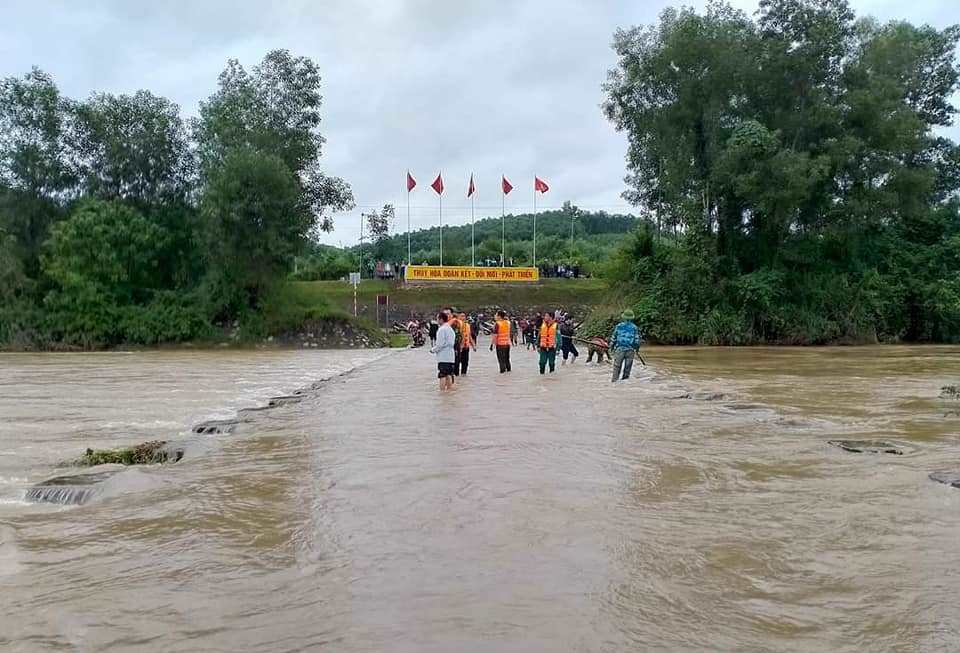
444,349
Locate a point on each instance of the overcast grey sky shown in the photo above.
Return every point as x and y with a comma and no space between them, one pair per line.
487,87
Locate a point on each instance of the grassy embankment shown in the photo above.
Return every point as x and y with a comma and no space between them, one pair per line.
425,299
290,313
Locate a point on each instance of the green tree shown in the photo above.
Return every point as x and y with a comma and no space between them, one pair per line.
134,148
107,247
13,280
378,226
274,110
797,156
256,223
37,169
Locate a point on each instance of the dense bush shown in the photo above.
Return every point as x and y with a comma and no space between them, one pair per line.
122,223
809,199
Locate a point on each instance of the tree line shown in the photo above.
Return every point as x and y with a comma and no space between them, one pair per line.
799,157
121,221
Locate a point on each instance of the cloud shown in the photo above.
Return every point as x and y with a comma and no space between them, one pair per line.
467,86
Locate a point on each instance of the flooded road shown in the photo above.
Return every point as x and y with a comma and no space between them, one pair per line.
696,507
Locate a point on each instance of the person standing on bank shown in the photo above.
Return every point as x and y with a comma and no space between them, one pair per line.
444,349
548,344
466,343
501,339
624,344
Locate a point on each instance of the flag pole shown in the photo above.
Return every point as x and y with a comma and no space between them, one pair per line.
534,222
440,195
473,246
360,270
409,250
503,228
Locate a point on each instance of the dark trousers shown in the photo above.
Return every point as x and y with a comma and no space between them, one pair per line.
599,352
622,359
456,363
548,356
464,361
568,348
503,357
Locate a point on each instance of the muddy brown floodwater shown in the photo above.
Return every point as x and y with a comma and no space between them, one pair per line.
697,507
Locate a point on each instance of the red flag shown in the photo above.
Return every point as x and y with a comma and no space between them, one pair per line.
437,184
411,182
507,186
471,189
540,185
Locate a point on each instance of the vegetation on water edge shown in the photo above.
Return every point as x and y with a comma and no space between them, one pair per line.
791,171
147,453
123,223
812,196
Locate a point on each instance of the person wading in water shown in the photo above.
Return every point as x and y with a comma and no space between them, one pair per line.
501,339
567,333
466,343
624,343
598,347
455,325
548,344
444,349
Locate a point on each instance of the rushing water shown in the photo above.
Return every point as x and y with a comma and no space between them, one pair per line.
696,507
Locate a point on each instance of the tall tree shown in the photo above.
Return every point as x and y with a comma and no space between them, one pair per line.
133,147
136,149
796,146
37,170
256,223
274,110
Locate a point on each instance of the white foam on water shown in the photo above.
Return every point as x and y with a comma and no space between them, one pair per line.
9,555
154,424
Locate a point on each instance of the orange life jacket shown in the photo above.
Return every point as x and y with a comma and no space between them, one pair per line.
503,334
548,335
466,334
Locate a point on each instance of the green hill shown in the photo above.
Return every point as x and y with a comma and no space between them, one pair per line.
568,235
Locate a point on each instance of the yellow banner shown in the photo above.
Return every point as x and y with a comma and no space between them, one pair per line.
467,273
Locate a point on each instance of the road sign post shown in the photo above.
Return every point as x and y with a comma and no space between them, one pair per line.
355,280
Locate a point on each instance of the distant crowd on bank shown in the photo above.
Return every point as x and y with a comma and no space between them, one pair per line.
454,335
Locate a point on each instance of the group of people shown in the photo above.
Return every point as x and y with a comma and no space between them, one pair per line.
452,337
560,271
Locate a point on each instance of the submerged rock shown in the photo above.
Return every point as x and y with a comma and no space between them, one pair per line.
702,396
215,427
947,478
284,400
868,446
146,453
68,490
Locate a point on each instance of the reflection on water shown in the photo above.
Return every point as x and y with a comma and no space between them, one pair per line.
698,507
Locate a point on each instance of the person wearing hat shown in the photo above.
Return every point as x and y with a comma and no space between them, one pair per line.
624,344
